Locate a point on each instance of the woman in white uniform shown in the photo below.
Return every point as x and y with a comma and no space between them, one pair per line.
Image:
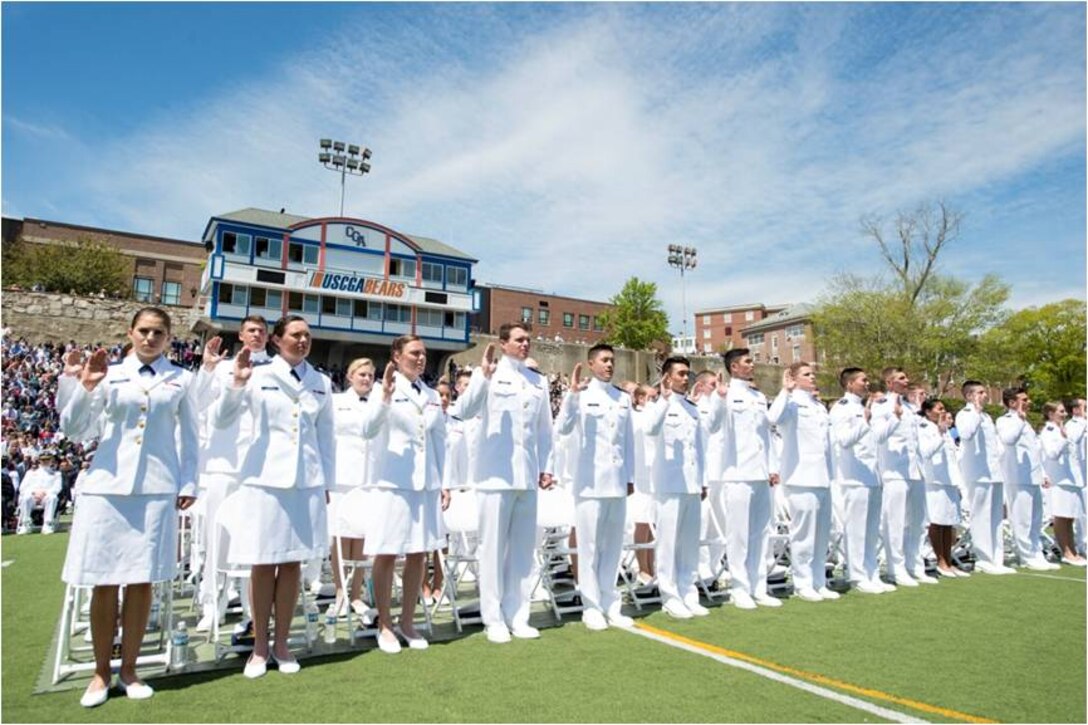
408,429
353,472
125,527
640,504
290,463
943,481
1067,494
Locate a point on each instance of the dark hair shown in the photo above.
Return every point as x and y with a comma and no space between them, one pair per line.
400,342
970,385
671,362
599,347
462,373
848,375
253,318
929,404
508,327
1009,395
281,324
732,356
888,372
1070,404
153,312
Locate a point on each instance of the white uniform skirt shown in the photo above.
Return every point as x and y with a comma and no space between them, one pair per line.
1067,502
276,525
403,522
943,505
122,540
349,511
640,508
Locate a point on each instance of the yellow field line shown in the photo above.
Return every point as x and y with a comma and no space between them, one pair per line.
820,679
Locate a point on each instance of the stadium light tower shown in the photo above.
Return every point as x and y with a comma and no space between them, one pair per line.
682,258
354,162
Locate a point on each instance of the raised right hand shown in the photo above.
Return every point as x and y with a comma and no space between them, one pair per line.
95,369
211,353
243,368
788,381
490,361
577,384
664,388
73,363
389,383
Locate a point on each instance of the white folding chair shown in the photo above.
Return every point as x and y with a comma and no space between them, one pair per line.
555,515
461,564
715,538
638,593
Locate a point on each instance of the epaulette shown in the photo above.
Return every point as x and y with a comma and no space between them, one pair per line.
843,401
175,363
620,389
259,363
117,362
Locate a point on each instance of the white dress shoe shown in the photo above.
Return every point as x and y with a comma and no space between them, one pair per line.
616,618
94,698
766,600
48,530
1002,569
255,667
885,586
413,642
285,666
947,573
869,588
1074,562
594,620
524,631
697,609
808,594
389,645
961,573
986,568
676,609
498,633
902,579
828,594
136,690
923,578
742,599
1037,565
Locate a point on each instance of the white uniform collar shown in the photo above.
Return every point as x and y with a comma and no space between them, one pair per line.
284,368
852,397
509,362
595,384
132,364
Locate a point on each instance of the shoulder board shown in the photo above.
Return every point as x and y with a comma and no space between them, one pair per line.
454,417
176,364
318,392
259,363
843,401
619,389
117,362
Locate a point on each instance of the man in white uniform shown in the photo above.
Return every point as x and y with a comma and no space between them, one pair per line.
854,472
712,511
40,487
597,417
749,470
222,452
512,453
1022,469
980,462
1075,429
904,508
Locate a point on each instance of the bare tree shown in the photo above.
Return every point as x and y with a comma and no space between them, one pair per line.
921,235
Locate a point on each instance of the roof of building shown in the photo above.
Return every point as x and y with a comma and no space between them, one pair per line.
540,293
740,308
793,313
43,223
282,220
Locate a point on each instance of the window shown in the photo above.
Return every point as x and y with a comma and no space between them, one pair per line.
797,330
298,302
232,294
429,318
774,342
270,249
583,322
728,331
756,338
398,313
366,310
706,347
402,268
337,306
431,272
706,319
171,293
526,314
796,353
141,288
749,315
543,316
455,320
597,323
261,297
456,277
568,319
301,253
756,355
706,333
235,243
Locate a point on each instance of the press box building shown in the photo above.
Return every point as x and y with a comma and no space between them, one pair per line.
358,284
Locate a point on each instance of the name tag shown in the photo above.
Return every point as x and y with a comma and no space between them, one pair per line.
318,392
121,380
269,387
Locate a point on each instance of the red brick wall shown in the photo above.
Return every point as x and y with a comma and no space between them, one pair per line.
506,306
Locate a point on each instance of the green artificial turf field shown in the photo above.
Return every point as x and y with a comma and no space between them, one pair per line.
998,648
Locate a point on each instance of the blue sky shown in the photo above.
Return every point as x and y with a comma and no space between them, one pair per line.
566,145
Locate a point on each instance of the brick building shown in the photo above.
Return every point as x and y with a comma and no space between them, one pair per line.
164,271
719,328
549,316
783,338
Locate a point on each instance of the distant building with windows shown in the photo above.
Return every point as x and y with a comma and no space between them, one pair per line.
552,317
359,284
783,338
719,329
684,345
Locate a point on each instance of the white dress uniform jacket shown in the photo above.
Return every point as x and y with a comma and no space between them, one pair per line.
409,437
941,470
747,453
1067,498
899,459
354,458
603,454
805,428
1076,429
1021,459
222,448
980,453
293,439
679,440
139,417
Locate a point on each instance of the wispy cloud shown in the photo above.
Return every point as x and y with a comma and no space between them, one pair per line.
566,146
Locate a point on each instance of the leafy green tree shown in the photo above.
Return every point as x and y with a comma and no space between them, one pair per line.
637,320
83,268
1041,347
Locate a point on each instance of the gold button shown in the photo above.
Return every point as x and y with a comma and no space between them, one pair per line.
147,393
139,440
295,414
143,408
140,424
294,430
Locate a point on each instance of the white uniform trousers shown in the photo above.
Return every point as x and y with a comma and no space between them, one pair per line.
986,514
49,510
712,519
677,546
747,534
903,521
1025,507
507,540
600,523
861,524
810,530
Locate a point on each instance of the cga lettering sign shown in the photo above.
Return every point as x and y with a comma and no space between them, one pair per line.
355,235
357,285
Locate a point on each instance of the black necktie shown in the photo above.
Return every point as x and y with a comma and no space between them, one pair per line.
415,387
362,398
147,370
294,374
